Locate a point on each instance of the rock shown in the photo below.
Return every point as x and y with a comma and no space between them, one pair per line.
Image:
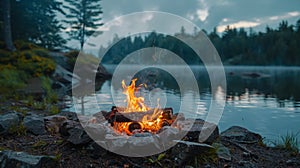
198,133
167,134
226,166
102,116
246,164
96,150
67,125
246,154
69,115
292,162
96,131
241,134
102,72
24,160
207,166
53,123
178,117
188,166
193,148
183,151
222,151
7,121
252,75
78,136
144,134
35,124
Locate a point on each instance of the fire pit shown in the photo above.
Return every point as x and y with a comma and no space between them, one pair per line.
137,117
138,130
136,122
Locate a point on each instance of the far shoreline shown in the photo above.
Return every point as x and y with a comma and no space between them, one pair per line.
247,67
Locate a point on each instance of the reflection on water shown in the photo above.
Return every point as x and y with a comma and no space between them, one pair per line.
263,99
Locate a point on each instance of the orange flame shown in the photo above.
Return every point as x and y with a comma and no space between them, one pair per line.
149,122
134,104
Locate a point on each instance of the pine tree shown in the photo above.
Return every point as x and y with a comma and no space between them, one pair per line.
35,21
84,18
7,26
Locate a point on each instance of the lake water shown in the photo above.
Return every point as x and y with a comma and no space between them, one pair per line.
265,100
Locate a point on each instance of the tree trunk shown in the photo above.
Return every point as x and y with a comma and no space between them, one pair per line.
7,26
82,105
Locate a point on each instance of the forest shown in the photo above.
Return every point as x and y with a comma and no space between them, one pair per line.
276,47
50,112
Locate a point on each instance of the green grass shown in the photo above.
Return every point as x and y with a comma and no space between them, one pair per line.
18,129
39,144
11,80
206,157
157,160
289,142
54,110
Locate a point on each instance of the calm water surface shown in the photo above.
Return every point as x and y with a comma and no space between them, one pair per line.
265,100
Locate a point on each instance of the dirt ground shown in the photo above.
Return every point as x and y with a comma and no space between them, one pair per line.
91,155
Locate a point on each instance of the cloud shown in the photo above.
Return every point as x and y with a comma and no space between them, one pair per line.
240,24
202,14
208,14
285,16
294,14
190,16
256,21
147,17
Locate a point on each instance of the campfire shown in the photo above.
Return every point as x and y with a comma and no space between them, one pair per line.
137,117
138,130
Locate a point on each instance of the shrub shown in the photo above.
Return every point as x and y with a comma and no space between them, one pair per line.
2,44
71,58
72,54
11,80
29,58
41,52
51,95
22,45
4,56
84,59
34,64
54,109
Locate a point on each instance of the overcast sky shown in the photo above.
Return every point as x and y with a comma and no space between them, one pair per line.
208,14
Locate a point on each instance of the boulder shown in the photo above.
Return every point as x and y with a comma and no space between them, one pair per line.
21,159
69,115
222,151
192,148
8,120
293,162
78,136
35,124
67,125
184,150
53,123
199,130
246,164
96,151
240,134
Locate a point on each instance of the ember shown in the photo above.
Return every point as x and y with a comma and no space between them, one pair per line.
137,117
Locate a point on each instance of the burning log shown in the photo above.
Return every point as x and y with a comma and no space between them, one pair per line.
116,115
149,121
137,116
